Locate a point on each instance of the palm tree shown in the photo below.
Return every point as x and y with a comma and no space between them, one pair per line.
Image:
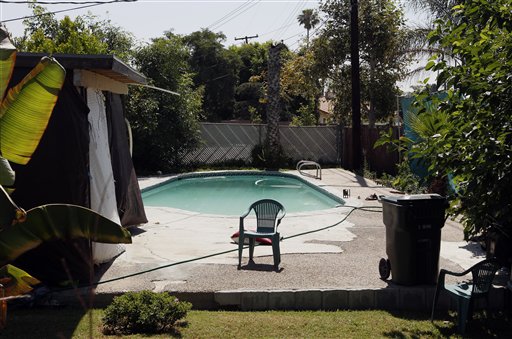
274,105
417,38
309,19
436,9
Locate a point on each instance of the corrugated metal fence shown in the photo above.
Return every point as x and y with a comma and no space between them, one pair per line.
224,142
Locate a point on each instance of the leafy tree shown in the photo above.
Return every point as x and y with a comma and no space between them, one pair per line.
249,92
254,60
381,50
164,125
300,84
216,69
309,19
477,150
85,35
248,102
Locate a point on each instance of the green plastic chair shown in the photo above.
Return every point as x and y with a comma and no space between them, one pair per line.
465,293
268,216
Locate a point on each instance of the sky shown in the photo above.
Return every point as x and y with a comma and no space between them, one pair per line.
268,19
146,19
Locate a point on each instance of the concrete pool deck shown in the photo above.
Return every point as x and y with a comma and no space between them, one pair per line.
336,268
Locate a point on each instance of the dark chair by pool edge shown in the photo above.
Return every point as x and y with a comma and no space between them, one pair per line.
268,217
465,293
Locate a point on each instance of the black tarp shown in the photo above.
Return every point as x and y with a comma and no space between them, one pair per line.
129,200
59,169
58,173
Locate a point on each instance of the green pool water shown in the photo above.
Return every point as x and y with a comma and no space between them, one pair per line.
230,194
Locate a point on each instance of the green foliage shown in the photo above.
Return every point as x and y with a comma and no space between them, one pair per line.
381,48
391,142
477,147
301,86
215,69
84,35
263,158
254,115
165,126
75,323
305,117
248,101
254,59
143,312
405,180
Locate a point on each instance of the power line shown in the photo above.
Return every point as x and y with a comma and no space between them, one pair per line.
24,2
65,10
233,14
277,29
292,16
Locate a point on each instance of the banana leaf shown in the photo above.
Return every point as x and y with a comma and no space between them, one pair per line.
26,110
8,209
16,281
7,175
7,59
57,221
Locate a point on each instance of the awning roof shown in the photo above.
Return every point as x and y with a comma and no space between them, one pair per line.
106,65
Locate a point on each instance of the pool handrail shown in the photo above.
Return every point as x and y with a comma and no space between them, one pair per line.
317,166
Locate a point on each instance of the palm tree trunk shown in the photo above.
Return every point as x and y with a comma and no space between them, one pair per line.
274,103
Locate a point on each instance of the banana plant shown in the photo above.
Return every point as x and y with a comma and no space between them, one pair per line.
28,229
21,231
25,110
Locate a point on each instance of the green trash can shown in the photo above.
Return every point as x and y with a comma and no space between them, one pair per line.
413,238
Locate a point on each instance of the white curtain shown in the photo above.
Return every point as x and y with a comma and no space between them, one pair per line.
103,194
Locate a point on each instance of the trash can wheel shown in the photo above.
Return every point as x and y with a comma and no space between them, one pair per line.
384,268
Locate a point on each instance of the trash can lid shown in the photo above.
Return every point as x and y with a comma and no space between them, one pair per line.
401,199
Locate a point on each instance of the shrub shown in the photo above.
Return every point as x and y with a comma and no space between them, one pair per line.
476,149
262,157
143,312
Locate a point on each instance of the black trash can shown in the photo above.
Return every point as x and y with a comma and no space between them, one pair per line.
413,238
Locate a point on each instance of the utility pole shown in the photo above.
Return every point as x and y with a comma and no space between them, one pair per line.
356,88
246,38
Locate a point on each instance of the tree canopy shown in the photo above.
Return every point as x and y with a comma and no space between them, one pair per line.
476,149
165,125
216,69
85,35
381,50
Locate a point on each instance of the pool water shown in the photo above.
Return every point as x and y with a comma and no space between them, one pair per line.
229,194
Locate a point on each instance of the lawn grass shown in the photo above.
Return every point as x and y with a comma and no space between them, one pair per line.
74,323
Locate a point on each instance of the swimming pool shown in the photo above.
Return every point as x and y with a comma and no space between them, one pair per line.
231,193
